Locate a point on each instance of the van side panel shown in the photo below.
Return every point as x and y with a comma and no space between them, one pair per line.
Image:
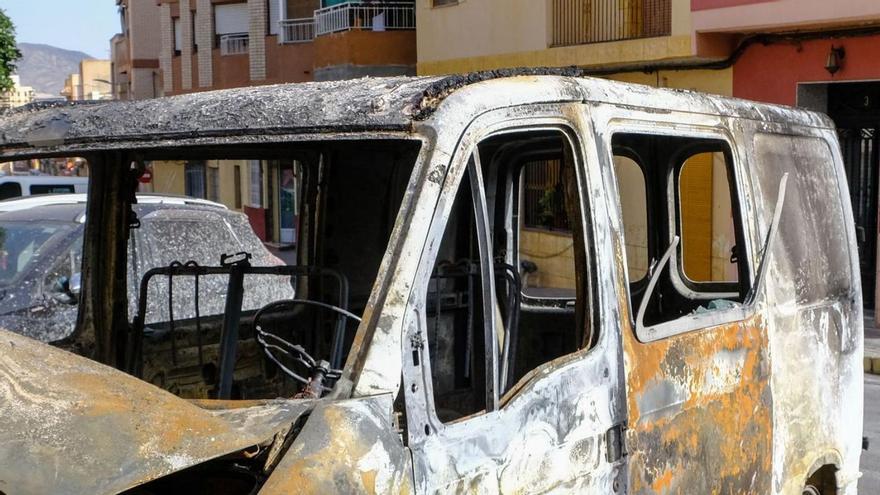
813,306
699,411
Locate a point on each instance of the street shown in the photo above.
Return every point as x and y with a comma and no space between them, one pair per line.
870,482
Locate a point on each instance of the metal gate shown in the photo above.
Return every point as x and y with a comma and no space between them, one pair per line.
855,108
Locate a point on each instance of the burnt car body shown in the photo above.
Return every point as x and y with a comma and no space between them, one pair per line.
49,231
477,364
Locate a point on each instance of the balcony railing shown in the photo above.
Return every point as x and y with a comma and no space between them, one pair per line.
297,30
234,44
378,17
577,22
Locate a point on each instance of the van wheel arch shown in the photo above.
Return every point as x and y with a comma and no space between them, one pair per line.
822,478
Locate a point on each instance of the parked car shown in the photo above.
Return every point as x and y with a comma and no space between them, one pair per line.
14,186
560,285
41,250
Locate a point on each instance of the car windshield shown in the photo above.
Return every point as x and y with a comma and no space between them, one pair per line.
23,245
307,227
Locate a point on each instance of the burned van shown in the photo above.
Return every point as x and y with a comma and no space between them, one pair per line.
509,282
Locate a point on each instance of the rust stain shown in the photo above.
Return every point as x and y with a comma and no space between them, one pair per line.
716,433
663,482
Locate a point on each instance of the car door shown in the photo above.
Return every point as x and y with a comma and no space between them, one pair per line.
477,420
696,348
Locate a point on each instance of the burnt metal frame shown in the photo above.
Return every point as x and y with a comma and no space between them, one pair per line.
511,125
232,314
585,369
605,131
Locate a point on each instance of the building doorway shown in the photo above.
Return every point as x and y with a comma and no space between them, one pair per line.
855,108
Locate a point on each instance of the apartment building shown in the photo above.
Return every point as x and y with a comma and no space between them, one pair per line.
215,44
811,53
18,95
92,82
135,51
201,45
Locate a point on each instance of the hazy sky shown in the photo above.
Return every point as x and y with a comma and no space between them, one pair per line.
84,25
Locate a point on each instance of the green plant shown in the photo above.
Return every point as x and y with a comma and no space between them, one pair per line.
9,53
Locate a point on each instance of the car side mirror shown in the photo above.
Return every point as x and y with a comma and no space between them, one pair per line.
74,287
67,290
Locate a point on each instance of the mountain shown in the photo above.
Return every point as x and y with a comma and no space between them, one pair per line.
46,67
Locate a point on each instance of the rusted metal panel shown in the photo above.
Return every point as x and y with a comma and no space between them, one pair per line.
348,446
700,411
71,425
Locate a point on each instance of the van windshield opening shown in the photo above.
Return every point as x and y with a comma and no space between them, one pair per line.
283,244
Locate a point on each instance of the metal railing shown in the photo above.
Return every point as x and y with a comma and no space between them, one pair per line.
577,22
297,30
234,44
374,17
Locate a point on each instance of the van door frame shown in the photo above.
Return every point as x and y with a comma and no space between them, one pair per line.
685,388
477,450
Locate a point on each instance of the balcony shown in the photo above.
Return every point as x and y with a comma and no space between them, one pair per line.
357,16
578,22
297,30
234,44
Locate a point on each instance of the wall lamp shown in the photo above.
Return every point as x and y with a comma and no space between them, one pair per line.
835,57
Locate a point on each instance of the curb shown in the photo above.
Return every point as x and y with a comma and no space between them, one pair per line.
872,365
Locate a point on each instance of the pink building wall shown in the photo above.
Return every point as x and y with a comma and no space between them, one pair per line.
771,73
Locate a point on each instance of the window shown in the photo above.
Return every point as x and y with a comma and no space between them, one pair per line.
634,209
707,234
194,179
178,35
522,287
441,3
236,177
689,184
231,18
275,14
10,190
255,171
213,183
51,189
546,247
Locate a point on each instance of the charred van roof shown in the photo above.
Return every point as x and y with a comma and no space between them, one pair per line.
367,104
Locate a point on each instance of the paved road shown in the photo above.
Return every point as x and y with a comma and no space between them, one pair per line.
870,482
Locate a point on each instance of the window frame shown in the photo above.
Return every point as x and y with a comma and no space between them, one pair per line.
684,284
638,124
577,137
649,243
515,184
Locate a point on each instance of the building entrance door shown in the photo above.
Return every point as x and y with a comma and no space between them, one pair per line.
855,108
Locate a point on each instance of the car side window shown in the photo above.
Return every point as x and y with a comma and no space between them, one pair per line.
10,190
51,189
689,187
531,301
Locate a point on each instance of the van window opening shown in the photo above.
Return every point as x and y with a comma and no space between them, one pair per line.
316,221
687,187
541,308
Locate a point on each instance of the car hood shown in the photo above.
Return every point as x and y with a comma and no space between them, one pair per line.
71,425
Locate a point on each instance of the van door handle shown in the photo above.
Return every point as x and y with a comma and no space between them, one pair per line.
615,443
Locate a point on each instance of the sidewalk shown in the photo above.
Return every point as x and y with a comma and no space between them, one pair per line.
872,345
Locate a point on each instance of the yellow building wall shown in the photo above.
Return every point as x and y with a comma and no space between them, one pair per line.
492,34
168,177
553,253
227,191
